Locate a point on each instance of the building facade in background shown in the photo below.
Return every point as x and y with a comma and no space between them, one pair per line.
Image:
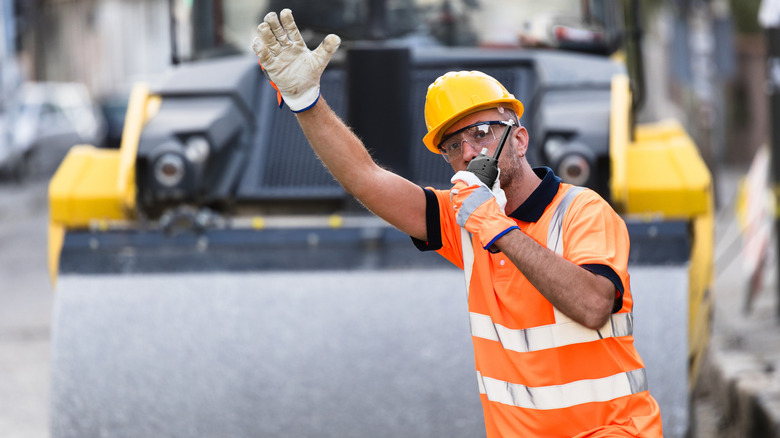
105,44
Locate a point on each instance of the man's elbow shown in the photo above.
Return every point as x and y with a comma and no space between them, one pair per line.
595,322
599,305
598,315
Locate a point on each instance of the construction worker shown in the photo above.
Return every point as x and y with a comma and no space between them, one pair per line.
549,294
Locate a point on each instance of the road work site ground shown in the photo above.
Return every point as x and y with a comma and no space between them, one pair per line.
738,394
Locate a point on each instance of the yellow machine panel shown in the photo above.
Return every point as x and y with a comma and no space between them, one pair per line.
84,189
665,173
93,185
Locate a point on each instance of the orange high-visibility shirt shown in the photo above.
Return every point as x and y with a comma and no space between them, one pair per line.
541,374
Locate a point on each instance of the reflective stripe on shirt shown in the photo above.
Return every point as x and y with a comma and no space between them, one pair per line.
566,395
548,336
468,257
555,230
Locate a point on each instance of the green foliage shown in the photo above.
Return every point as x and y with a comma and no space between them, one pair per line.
745,14
650,6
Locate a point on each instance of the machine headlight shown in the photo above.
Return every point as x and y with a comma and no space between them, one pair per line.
169,169
574,169
571,160
197,149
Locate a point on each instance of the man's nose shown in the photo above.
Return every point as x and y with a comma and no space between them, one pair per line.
469,152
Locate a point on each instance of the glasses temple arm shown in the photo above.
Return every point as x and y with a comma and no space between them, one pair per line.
504,136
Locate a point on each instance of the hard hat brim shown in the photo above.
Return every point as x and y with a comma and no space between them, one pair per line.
434,136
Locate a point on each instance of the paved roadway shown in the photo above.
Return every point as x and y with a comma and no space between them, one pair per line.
25,309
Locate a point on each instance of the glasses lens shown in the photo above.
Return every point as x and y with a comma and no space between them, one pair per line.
478,135
444,155
451,147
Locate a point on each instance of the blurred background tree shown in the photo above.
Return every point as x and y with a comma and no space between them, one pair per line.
748,120
745,16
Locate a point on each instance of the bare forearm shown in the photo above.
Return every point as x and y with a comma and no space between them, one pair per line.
337,146
581,295
389,196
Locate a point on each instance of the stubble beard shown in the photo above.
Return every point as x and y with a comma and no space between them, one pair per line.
512,172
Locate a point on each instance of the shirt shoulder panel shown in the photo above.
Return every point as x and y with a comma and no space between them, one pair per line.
595,235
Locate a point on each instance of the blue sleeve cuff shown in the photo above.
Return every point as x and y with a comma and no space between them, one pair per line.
310,106
501,234
606,271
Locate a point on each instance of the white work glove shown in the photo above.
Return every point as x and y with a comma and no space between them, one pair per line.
470,179
293,69
480,210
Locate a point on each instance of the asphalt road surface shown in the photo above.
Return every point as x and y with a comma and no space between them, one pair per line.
25,310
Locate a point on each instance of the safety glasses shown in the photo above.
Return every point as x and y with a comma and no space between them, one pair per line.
478,135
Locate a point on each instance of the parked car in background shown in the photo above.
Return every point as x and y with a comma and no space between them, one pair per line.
11,158
47,119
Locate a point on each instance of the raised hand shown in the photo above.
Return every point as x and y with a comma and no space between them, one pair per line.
289,64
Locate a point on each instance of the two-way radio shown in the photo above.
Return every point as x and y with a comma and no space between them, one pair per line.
485,166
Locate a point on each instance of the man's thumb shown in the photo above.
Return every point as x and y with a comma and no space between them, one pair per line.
327,47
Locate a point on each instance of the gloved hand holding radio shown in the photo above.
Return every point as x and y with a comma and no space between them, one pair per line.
290,66
480,210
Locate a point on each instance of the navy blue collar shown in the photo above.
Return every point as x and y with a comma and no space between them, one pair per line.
533,207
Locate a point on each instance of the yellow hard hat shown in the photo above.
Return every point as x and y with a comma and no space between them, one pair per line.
457,94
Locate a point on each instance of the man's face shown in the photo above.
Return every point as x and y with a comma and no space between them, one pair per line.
514,149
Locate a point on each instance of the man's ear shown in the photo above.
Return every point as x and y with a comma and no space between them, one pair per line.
521,136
